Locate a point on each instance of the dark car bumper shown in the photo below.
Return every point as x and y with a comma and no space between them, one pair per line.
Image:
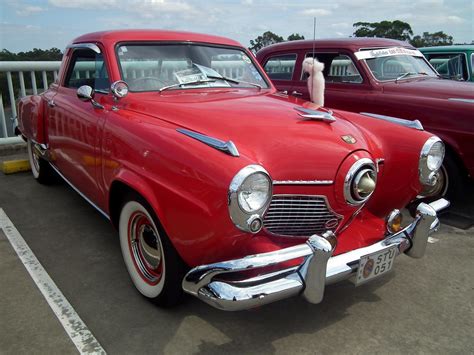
318,269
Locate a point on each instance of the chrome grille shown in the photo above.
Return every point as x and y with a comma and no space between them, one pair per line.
300,215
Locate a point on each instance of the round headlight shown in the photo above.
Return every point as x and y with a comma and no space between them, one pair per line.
431,159
250,193
254,192
360,181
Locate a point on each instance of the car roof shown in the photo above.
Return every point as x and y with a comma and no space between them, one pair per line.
115,36
354,44
456,47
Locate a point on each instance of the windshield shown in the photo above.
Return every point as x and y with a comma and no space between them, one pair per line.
154,67
399,67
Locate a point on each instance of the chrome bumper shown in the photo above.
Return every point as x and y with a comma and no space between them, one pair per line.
318,269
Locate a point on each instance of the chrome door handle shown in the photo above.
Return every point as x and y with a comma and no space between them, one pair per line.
296,93
285,92
51,103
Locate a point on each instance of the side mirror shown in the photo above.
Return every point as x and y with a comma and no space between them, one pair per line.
85,93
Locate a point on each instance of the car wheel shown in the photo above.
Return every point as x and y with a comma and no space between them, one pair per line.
40,168
152,262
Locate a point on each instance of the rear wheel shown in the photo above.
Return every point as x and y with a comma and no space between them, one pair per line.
40,168
152,262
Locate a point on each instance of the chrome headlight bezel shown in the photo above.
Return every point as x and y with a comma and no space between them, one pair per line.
434,149
242,218
353,177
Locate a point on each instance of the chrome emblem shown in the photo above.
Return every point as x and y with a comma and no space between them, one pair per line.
349,139
331,223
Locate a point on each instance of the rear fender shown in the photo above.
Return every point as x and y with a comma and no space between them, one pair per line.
31,121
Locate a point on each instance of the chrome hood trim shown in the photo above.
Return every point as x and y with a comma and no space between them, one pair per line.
400,121
303,182
225,147
316,115
469,101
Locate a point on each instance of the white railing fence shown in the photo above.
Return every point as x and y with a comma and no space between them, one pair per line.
18,86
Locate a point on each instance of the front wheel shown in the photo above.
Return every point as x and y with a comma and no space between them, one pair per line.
152,262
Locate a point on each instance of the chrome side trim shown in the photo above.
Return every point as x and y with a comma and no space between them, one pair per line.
91,46
407,123
325,116
469,101
318,269
79,192
225,147
303,182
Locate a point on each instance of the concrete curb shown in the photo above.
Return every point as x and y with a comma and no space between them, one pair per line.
12,145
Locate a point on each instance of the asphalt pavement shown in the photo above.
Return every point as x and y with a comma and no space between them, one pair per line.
422,306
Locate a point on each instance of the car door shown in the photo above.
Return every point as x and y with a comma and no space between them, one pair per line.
74,125
346,87
280,67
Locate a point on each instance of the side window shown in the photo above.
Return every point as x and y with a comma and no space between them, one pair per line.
87,68
281,67
338,68
449,65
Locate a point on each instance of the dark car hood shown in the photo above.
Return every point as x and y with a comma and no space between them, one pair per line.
432,87
266,128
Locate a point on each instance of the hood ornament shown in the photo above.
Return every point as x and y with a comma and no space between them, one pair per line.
315,115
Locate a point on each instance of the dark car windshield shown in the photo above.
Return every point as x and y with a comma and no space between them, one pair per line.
399,67
152,67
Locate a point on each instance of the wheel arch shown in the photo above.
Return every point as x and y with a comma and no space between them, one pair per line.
125,185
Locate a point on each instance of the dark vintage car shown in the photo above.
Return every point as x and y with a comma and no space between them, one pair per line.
386,79
218,185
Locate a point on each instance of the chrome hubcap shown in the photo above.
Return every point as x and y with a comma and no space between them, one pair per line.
34,156
145,248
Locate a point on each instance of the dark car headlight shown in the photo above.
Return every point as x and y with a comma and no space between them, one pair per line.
360,181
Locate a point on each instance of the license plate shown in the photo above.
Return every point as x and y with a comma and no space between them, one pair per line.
376,264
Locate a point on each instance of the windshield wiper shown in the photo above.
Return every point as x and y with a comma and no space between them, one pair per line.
195,82
404,75
230,80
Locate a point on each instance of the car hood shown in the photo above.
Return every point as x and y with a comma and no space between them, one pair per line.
432,87
266,129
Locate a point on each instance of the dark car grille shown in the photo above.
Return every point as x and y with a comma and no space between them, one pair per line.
299,216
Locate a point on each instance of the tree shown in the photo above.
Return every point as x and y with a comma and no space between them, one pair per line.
387,29
295,37
432,39
264,40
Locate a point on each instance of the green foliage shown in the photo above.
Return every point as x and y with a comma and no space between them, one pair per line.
386,29
295,37
33,55
432,39
264,40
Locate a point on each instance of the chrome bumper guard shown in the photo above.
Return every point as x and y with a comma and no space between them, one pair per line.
318,269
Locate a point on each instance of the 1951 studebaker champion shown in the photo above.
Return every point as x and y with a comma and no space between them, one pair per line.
386,79
218,185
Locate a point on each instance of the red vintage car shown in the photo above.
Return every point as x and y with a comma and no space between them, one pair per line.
389,80
218,185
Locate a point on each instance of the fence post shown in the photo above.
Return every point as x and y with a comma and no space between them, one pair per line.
2,118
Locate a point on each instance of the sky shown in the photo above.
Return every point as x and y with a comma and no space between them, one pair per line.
27,24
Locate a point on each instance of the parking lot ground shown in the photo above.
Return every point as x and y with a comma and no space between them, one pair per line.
422,306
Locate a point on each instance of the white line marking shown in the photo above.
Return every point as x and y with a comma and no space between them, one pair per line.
75,328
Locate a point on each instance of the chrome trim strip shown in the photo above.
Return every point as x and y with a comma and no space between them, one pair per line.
401,121
91,46
469,101
225,147
318,268
303,182
79,192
